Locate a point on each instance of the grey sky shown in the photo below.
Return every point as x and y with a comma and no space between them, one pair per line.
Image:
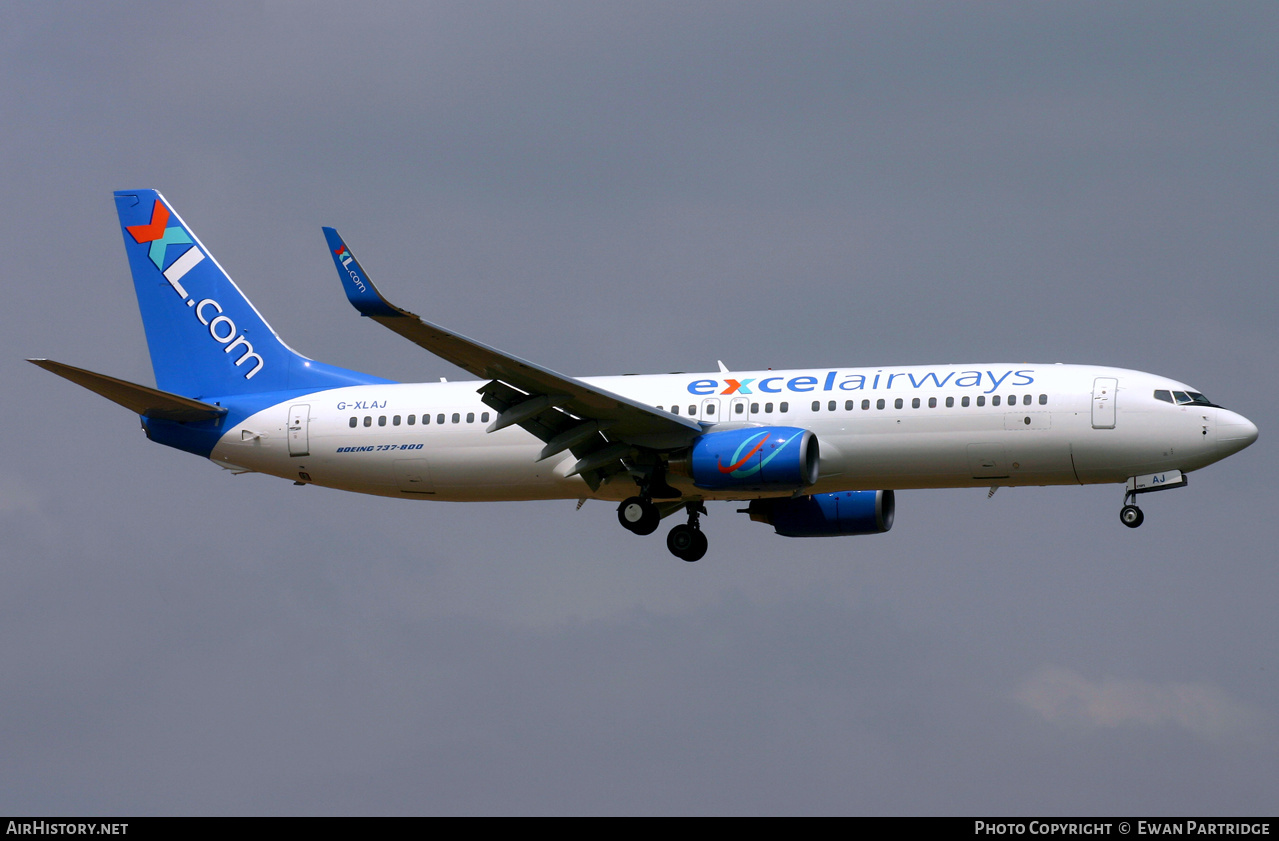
642,187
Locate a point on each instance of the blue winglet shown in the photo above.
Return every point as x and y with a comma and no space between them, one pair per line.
360,291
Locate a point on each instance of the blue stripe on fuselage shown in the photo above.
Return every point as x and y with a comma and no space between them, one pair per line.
200,437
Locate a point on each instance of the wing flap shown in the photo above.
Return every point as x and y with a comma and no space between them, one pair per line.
543,418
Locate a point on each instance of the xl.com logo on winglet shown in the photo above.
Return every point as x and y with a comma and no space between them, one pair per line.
346,258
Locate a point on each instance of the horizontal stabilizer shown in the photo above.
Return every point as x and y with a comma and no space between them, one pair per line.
150,402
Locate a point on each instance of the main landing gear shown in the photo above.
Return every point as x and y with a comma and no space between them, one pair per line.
639,515
686,541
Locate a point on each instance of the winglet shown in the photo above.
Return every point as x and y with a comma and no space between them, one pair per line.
359,289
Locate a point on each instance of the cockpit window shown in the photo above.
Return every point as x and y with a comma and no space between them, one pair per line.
1182,398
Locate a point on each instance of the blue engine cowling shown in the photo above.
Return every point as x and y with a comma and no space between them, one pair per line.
827,515
755,458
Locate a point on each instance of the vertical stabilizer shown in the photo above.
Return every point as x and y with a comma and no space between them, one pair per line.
206,339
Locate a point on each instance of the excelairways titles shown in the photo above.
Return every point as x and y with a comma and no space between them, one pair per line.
861,382
161,236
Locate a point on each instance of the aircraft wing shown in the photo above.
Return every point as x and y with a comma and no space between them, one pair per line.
601,428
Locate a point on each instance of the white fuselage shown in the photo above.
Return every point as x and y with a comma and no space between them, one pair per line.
955,426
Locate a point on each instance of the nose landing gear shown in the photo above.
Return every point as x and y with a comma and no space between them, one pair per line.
1130,515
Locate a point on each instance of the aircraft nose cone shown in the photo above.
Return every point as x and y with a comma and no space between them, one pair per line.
1234,432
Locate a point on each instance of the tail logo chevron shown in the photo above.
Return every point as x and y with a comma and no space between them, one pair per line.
161,235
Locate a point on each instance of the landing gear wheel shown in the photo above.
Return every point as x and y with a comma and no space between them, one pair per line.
699,548
1131,516
686,543
638,515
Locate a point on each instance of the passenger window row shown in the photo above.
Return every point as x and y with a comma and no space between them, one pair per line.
456,417
783,407
738,408
916,402
899,403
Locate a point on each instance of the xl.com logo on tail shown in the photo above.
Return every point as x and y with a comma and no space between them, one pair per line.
161,235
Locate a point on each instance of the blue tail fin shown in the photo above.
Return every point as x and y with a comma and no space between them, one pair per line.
206,339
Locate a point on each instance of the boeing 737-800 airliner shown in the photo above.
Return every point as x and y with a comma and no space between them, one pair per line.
814,452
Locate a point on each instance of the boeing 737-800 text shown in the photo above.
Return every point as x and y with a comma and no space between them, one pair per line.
814,452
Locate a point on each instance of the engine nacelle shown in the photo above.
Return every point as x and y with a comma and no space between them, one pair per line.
827,515
758,458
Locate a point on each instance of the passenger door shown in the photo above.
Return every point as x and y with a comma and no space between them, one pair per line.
299,421
1104,392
